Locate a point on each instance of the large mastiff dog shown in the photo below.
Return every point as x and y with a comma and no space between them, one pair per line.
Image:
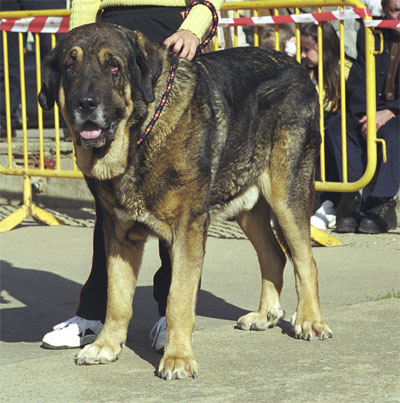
238,137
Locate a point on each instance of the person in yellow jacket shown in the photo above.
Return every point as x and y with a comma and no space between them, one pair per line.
160,21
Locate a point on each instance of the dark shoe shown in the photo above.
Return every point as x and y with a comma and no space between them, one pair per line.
350,222
3,134
380,218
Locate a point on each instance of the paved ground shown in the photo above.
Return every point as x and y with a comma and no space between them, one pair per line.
42,269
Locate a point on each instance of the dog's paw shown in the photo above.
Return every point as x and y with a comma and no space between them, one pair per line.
309,329
97,353
256,321
172,367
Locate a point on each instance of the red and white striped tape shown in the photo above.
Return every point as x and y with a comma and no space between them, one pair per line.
58,25
296,18
310,17
382,23
52,25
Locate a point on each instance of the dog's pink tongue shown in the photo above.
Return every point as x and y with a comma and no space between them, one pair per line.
90,131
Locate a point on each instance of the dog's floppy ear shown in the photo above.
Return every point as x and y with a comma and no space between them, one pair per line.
145,68
50,82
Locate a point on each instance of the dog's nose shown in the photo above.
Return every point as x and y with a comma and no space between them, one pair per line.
87,103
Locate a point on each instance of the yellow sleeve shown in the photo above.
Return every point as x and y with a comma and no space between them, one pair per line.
199,19
83,12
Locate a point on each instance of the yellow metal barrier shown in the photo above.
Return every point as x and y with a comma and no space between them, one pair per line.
372,141
254,7
28,208
322,185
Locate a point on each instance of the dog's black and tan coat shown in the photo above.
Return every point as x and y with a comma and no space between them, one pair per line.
237,138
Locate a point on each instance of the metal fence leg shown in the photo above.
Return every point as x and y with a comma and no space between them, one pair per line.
45,217
14,219
28,209
323,238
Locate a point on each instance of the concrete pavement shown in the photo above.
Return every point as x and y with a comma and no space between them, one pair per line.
42,269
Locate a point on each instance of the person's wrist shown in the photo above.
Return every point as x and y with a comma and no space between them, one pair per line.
190,32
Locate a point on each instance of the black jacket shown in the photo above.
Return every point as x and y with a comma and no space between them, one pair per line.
356,87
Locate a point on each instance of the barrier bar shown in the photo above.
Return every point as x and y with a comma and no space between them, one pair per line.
252,6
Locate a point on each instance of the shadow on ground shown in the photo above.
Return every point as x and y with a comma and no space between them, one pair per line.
32,301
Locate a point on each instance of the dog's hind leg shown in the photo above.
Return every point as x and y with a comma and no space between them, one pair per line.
256,225
124,259
291,201
187,254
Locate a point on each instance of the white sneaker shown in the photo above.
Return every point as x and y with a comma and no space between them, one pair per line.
159,334
325,216
73,333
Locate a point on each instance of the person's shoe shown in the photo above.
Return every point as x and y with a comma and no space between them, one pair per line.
325,216
159,334
73,333
347,224
380,218
351,221
3,134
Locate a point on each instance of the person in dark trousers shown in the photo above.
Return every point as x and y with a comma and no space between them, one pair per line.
374,212
13,60
159,21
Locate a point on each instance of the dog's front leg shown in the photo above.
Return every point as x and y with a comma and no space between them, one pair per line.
187,256
123,264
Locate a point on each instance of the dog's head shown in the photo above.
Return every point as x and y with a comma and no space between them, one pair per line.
99,74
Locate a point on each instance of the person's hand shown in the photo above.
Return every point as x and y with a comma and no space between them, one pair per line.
183,43
382,117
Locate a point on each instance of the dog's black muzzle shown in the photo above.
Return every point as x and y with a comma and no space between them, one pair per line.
89,121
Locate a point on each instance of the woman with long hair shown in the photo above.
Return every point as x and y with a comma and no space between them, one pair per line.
325,216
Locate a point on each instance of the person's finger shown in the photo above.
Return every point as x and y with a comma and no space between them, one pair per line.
184,51
173,43
183,43
178,45
192,52
168,42
364,130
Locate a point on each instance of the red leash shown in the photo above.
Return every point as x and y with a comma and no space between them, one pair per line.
174,65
